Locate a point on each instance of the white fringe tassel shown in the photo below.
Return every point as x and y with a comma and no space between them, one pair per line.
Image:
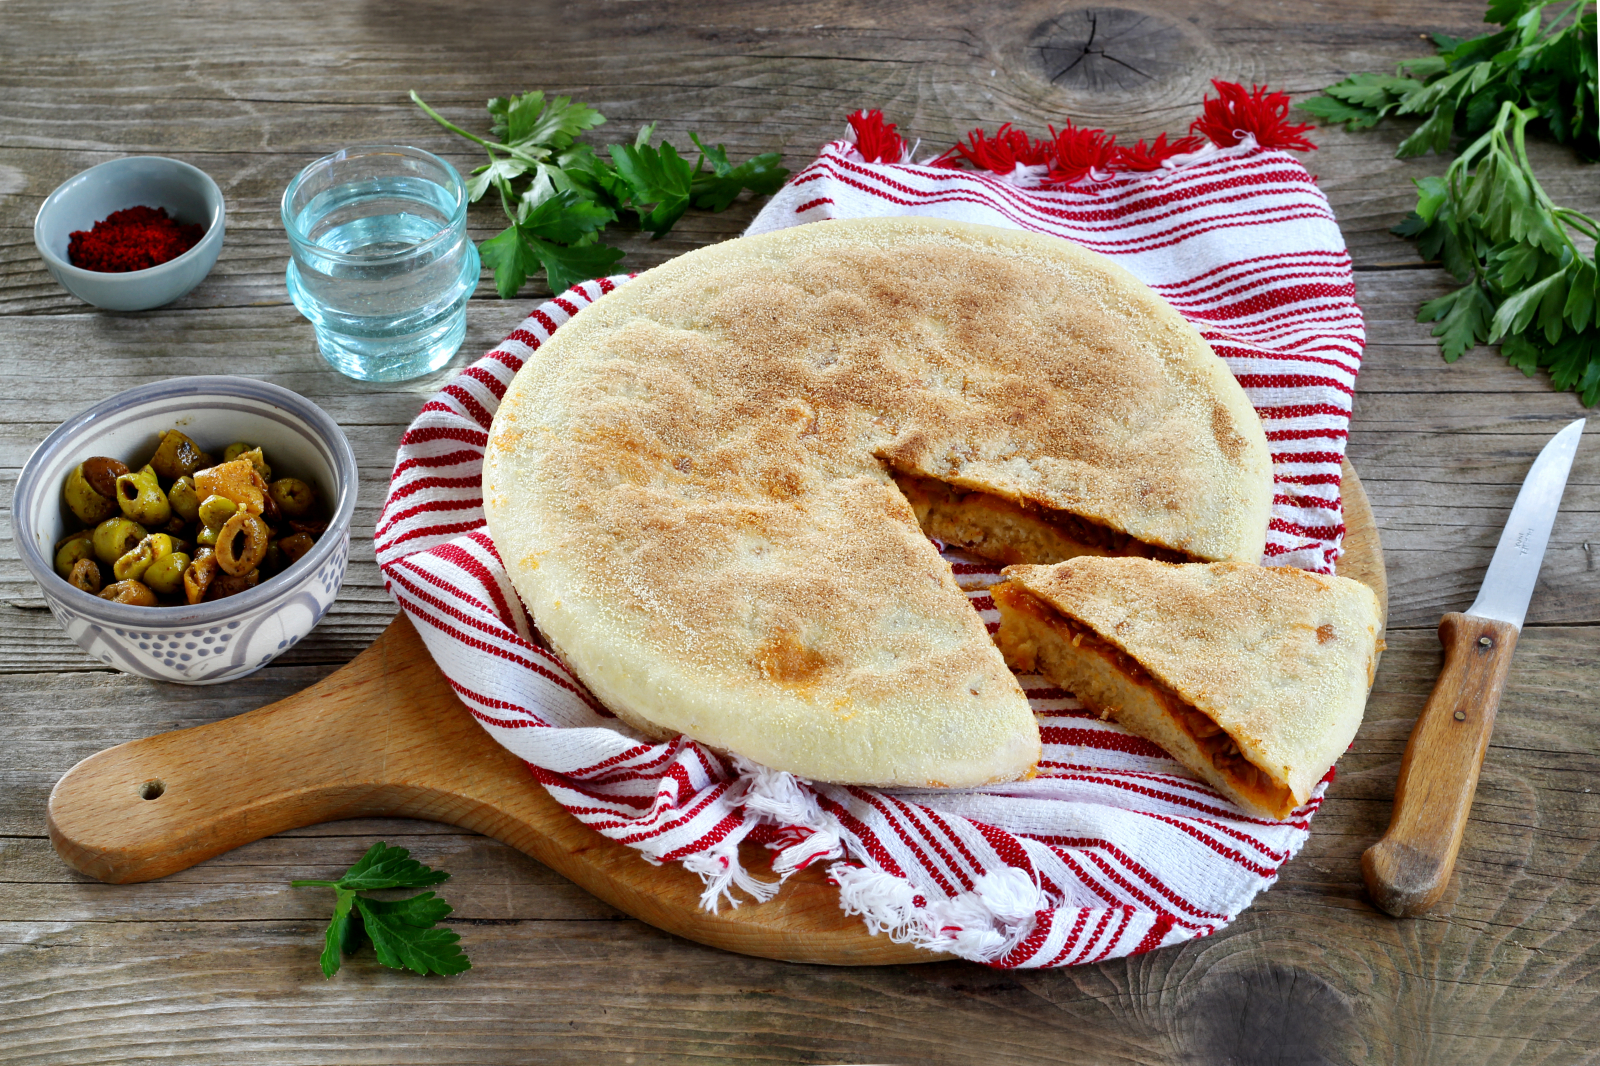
770,797
982,925
722,872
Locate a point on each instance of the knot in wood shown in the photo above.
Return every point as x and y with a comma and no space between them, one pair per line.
1108,49
1252,1012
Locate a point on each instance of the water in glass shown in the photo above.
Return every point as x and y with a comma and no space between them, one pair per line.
381,263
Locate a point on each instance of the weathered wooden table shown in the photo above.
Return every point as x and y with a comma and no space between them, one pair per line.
218,964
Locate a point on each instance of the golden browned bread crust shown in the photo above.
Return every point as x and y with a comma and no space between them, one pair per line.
689,482
1280,659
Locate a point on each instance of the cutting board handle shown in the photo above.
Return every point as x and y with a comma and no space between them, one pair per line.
151,807
385,736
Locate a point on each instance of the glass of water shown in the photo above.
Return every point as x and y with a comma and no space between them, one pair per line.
380,260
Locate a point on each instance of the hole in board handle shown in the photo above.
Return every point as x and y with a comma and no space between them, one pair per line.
152,789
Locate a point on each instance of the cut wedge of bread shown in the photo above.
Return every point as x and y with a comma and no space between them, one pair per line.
1255,678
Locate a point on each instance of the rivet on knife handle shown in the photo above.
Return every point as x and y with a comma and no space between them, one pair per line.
1407,871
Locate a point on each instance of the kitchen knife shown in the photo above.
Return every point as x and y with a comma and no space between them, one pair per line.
1408,869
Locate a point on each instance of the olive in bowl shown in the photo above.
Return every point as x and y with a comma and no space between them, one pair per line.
208,637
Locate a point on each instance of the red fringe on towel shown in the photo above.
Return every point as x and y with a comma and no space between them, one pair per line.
1142,157
1003,153
876,139
1257,112
1071,154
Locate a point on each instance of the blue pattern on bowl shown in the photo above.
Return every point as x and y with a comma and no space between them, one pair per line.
207,642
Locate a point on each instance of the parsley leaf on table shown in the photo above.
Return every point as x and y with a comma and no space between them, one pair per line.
1548,66
1528,283
559,194
402,932
657,176
1526,265
714,190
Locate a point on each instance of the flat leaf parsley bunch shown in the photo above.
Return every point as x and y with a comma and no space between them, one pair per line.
1526,264
560,194
402,931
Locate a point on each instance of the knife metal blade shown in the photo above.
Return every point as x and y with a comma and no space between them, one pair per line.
1514,570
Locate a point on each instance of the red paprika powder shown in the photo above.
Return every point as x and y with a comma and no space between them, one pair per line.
135,238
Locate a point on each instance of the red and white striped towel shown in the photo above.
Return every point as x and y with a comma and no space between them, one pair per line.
1113,849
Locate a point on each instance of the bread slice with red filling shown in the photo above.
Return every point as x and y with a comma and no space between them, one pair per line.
1255,678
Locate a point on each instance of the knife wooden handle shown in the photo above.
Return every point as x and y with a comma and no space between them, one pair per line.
1408,869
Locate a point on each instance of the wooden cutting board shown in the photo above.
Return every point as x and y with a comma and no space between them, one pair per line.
385,736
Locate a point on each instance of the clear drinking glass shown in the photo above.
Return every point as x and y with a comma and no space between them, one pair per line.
381,263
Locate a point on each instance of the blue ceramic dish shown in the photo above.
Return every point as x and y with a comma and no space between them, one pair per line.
188,194
206,642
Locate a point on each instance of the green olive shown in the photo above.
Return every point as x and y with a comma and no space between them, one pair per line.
234,450
198,576
166,573
273,561
293,496
116,537
213,512
177,456
242,544
232,584
79,545
141,498
133,564
184,499
134,592
84,501
294,547
102,474
86,576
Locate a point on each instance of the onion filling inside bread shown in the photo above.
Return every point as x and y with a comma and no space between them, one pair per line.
1253,677
1036,638
1005,531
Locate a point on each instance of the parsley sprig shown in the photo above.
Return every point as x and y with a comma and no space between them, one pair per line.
560,194
402,931
1528,285
1526,264
1546,67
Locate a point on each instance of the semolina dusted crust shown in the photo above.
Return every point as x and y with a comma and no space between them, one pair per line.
1279,660
691,482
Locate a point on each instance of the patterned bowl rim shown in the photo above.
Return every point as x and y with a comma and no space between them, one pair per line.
199,387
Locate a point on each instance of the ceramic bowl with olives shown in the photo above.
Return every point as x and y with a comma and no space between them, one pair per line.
195,528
